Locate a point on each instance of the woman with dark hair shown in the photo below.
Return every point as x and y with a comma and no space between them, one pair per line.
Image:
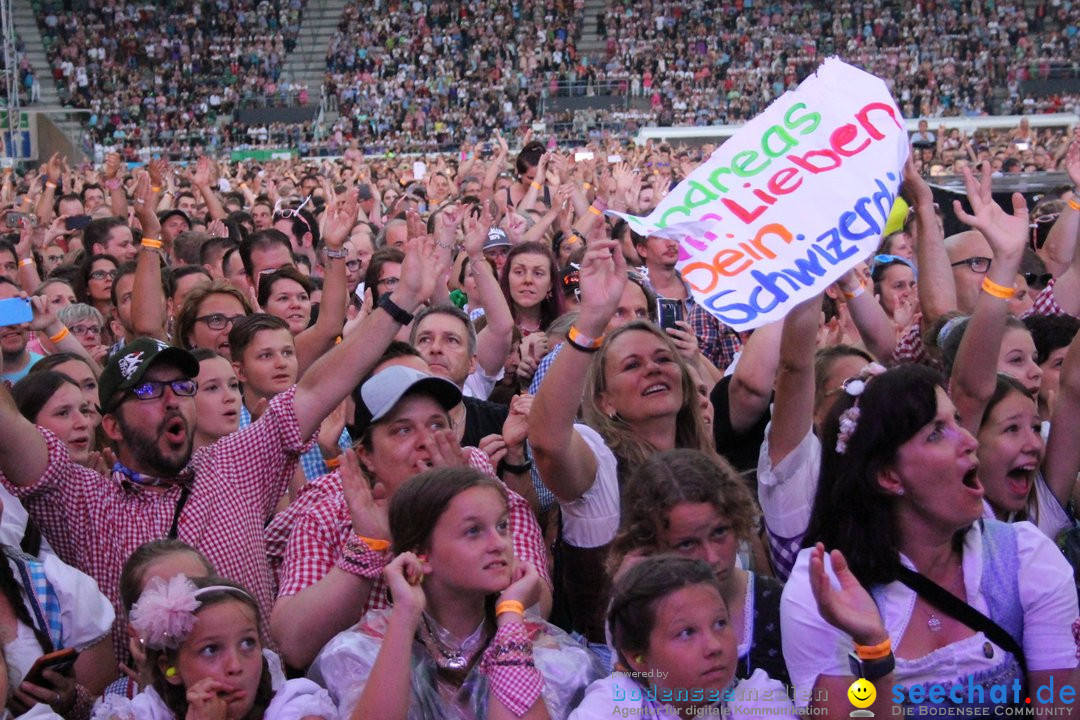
79,369
696,505
528,282
459,640
672,633
899,505
383,272
286,293
218,399
531,164
55,402
98,274
638,399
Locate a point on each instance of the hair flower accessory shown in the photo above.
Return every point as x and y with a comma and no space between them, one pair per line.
165,612
849,419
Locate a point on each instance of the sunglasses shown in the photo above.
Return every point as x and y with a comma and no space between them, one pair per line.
1037,279
281,213
151,389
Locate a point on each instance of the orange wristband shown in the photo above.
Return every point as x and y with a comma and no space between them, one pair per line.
333,462
578,340
64,332
151,243
999,291
594,211
874,652
376,545
1074,205
505,606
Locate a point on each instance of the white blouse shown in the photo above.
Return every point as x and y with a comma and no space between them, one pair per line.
813,647
86,616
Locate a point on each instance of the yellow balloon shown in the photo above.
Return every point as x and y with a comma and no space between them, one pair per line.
862,693
897,217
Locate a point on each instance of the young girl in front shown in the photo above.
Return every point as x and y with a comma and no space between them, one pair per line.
458,642
203,649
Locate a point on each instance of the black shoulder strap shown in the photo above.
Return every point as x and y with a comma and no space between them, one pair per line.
956,608
174,527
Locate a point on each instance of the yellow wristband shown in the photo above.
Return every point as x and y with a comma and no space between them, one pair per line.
536,186
594,211
1074,205
152,243
156,189
587,186
999,291
505,606
874,652
64,332
26,261
375,545
333,462
50,184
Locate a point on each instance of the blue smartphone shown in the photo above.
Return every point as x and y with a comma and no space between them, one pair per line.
15,311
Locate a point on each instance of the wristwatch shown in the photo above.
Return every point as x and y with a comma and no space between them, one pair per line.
337,254
871,669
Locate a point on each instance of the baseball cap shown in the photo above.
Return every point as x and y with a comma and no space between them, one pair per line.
126,367
384,390
496,238
170,213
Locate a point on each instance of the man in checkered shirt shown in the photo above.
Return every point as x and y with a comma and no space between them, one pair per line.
218,499
329,573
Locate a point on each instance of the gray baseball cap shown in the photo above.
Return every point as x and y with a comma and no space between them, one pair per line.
384,390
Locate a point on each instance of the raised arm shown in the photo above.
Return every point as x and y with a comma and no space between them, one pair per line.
1060,247
793,405
974,373
566,464
47,199
333,376
148,302
751,387
117,199
200,180
314,341
493,342
937,289
875,328
23,452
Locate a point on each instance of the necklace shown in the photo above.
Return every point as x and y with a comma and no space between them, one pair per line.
451,659
934,623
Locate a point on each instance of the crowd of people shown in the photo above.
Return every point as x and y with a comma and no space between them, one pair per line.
357,439
427,77
167,72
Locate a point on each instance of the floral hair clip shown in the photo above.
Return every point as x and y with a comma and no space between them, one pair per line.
849,419
165,612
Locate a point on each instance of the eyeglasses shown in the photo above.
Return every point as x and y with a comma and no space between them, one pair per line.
352,265
286,213
390,282
975,264
1042,219
102,274
1038,280
218,321
86,329
156,388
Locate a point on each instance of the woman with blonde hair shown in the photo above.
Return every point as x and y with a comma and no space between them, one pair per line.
639,399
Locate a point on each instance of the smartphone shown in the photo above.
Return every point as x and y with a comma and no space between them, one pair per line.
62,661
15,311
1022,146
77,222
668,312
614,158
15,219
579,156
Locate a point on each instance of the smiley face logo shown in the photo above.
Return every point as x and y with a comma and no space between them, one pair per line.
862,693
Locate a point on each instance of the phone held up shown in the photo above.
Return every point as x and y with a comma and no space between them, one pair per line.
669,312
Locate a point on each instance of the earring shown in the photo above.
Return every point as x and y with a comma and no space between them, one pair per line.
639,659
170,672
900,492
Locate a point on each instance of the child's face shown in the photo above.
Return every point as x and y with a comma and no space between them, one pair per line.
224,645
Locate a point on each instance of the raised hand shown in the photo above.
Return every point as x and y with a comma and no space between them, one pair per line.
914,188
1072,162
476,231
158,170
420,272
208,699
404,577
850,608
200,176
525,586
1007,234
515,428
339,219
603,277
367,505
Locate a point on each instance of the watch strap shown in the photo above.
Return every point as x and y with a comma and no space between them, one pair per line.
395,311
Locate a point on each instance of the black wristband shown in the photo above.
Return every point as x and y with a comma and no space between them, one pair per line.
871,669
516,469
400,316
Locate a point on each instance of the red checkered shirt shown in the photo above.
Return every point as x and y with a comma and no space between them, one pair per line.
910,349
309,537
95,522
